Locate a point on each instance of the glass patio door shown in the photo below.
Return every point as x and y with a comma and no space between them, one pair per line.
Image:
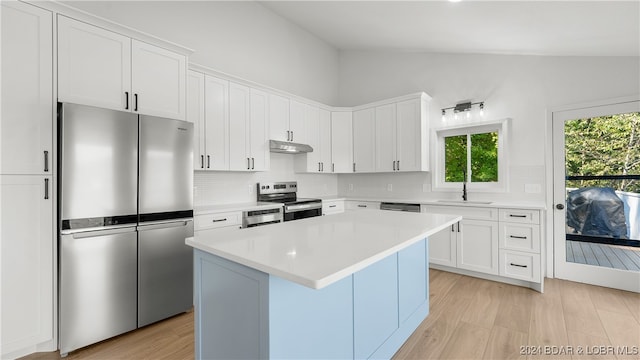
596,152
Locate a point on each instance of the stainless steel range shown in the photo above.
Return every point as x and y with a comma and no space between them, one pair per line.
285,192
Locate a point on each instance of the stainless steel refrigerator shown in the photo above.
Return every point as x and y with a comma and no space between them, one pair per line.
126,207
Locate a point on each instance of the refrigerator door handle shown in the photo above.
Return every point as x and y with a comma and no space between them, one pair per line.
164,225
88,234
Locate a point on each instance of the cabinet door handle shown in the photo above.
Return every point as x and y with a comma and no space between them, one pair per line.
126,100
333,167
253,163
517,237
218,220
248,164
135,96
398,164
458,227
46,189
46,161
363,206
394,165
517,216
452,230
208,161
354,167
291,135
201,161
518,265
288,135
332,206
318,167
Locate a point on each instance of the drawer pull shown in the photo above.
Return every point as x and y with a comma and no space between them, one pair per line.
517,237
517,216
362,206
219,220
332,206
518,265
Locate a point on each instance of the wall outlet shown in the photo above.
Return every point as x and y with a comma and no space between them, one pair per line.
389,187
533,188
426,187
350,187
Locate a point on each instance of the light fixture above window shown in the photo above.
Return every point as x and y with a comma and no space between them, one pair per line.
466,108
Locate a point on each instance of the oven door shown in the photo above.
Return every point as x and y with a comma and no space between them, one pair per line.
301,211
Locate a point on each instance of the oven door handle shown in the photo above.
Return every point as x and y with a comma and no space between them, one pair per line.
301,207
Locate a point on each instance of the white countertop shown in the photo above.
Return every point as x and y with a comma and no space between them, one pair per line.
318,251
471,203
214,209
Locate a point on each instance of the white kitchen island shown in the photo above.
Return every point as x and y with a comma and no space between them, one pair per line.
350,285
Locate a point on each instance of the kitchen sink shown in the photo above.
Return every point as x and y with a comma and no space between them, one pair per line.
465,202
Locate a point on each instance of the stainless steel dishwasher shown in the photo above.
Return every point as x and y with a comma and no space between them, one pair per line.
400,207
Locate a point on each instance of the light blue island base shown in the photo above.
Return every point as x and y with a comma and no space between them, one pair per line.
242,313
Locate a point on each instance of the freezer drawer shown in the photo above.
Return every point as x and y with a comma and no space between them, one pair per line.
165,271
97,286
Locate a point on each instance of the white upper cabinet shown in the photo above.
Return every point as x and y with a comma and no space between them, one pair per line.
385,138
401,136
195,115
101,68
216,129
279,117
239,110
342,141
259,131
297,123
411,136
325,141
158,81
318,122
26,128
248,129
364,140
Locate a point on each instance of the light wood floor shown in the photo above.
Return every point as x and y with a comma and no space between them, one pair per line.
469,319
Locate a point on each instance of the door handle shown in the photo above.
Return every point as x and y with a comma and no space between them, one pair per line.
322,167
208,161
362,206
518,265
394,165
398,164
253,163
332,206
135,96
291,135
218,220
46,161
318,167
517,216
288,135
126,100
201,161
46,189
354,167
333,167
560,206
248,164
517,237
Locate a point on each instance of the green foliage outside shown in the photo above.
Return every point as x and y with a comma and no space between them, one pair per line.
607,145
484,157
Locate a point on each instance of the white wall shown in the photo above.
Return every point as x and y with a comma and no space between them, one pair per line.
523,88
238,187
241,38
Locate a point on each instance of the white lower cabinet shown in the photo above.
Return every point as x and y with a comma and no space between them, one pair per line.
27,231
442,246
232,219
502,242
359,205
330,207
477,246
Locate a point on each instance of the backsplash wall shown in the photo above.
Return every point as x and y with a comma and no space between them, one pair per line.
214,188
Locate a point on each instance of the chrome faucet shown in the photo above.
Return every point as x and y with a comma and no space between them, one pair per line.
464,186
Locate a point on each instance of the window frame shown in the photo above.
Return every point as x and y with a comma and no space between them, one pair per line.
499,126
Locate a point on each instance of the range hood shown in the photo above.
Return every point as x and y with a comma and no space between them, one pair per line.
289,147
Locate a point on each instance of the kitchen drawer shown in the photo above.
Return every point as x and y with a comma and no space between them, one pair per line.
218,220
521,237
467,212
520,216
355,205
332,207
520,265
